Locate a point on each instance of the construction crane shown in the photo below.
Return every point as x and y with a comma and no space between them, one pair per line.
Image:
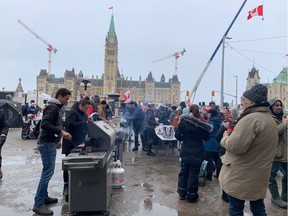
50,48
176,55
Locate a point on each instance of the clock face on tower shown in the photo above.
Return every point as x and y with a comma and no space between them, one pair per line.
111,40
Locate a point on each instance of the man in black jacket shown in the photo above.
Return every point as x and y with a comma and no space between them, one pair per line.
48,142
4,128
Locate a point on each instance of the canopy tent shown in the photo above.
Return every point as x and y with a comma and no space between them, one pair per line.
13,112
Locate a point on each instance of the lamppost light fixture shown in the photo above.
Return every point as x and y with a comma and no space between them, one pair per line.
85,83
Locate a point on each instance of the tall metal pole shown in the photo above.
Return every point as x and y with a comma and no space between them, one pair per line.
222,74
236,76
193,91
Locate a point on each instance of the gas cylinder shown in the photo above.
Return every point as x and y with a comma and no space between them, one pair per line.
117,174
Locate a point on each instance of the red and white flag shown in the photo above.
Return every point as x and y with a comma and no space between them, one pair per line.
110,8
258,11
126,97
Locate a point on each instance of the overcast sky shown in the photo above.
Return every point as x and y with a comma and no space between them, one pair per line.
146,30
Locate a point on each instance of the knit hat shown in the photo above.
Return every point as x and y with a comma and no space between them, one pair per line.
186,110
257,94
213,112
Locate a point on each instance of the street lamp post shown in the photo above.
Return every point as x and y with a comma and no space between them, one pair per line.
85,83
222,71
236,76
122,77
37,97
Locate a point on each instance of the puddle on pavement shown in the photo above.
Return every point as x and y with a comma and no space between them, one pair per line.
147,207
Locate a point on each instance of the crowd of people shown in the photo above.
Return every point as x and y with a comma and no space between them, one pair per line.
240,145
244,148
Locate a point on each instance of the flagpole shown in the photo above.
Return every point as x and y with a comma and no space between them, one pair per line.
194,90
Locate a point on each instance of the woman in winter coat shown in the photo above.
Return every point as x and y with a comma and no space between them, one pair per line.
192,130
76,125
250,150
280,160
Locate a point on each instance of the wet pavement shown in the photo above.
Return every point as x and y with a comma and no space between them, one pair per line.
150,185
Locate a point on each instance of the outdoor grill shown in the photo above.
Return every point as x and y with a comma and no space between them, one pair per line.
90,177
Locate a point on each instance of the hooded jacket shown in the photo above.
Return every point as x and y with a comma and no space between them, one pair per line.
250,150
51,124
192,131
281,153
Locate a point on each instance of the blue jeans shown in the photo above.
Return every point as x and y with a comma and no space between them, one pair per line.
236,207
48,157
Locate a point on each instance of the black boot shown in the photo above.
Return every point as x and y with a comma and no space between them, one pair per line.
135,148
150,153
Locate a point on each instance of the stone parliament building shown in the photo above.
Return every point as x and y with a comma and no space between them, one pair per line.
277,89
148,90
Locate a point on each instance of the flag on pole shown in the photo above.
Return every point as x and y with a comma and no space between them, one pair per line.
258,11
286,55
110,8
126,97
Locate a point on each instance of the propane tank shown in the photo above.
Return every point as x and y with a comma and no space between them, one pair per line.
117,174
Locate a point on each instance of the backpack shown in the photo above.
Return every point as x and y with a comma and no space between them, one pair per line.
175,120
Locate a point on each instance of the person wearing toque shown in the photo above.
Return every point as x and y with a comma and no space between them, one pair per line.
280,159
250,150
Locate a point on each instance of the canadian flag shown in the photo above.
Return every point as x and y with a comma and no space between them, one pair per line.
110,8
258,11
126,97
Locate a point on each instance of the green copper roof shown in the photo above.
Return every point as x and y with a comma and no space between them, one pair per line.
112,27
282,76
